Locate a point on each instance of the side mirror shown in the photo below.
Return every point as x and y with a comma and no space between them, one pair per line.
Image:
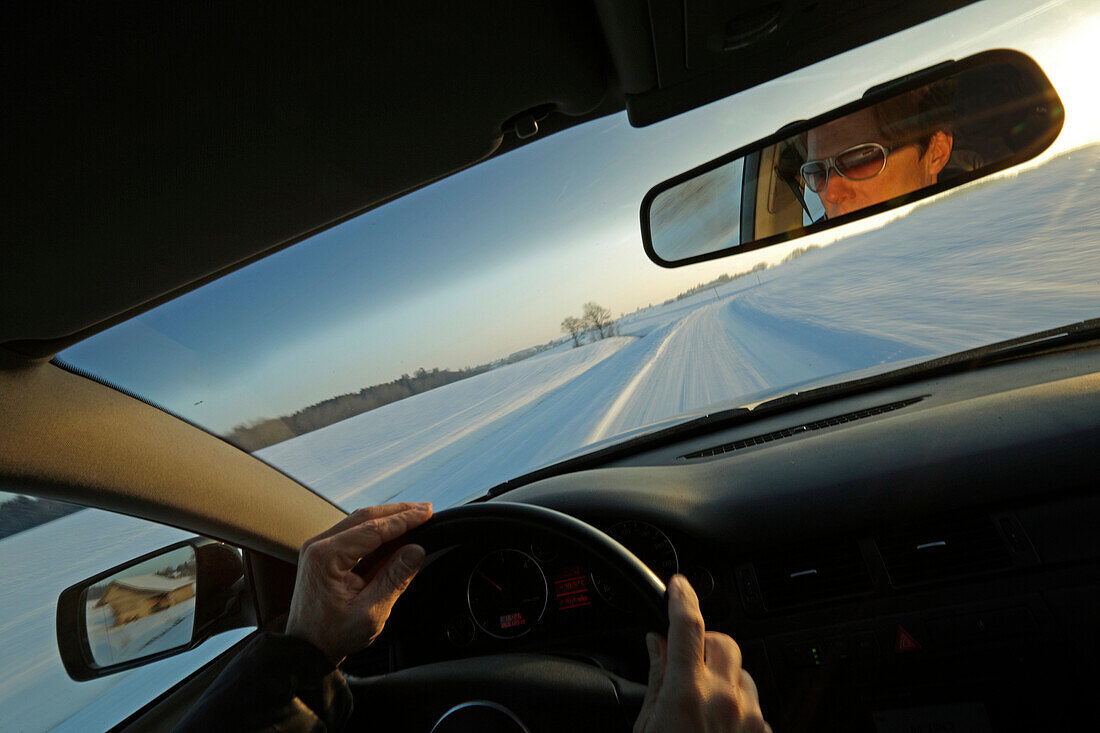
156,606
905,140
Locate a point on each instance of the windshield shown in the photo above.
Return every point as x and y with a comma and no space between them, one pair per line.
506,317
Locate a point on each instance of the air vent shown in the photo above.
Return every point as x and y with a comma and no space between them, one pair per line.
803,428
812,574
949,548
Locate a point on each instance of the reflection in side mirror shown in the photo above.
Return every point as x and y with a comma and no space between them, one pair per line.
153,607
142,610
905,140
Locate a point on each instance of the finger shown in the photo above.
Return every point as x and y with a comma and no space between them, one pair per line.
753,722
654,646
723,656
749,693
382,592
362,539
364,514
750,699
685,629
748,684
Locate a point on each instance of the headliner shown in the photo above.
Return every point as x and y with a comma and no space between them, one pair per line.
153,147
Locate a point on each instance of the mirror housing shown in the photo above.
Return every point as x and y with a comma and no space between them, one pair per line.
155,606
932,130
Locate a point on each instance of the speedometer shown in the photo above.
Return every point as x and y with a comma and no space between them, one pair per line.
651,545
507,593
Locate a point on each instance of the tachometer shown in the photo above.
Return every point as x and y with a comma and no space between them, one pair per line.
507,593
651,545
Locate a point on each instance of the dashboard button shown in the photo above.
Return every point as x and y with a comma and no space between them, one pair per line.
748,587
905,642
865,646
807,655
460,631
981,626
701,580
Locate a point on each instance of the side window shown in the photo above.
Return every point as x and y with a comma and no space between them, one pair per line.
45,547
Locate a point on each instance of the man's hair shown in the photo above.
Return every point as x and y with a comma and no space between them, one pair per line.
913,117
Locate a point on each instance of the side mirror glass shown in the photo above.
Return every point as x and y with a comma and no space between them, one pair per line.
152,607
142,610
905,140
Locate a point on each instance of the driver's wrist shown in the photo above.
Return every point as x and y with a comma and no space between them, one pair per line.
302,634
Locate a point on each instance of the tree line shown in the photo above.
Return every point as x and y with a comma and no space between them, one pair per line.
23,512
252,436
726,278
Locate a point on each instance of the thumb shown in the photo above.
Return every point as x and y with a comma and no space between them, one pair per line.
655,647
390,582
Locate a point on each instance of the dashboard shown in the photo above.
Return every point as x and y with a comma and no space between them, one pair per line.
920,557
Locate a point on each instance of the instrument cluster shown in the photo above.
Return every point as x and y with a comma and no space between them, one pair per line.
511,591
530,593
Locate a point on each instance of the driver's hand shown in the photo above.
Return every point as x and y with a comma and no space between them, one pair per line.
695,678
334,608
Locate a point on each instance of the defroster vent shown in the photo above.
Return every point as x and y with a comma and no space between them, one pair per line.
801,428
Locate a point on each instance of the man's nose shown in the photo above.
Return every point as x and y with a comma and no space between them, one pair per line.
837,188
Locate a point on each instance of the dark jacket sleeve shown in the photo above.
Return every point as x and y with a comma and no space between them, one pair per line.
276,683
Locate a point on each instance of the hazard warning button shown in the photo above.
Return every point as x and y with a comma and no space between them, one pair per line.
905,642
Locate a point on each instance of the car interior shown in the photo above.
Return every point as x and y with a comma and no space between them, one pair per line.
913,551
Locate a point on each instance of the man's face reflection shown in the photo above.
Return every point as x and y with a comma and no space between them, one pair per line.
906,168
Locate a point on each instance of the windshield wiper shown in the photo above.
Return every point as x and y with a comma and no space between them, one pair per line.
1001,351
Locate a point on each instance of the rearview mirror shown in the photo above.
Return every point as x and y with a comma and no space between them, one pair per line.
150,608
905,140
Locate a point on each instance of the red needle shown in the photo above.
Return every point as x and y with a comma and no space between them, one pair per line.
490,581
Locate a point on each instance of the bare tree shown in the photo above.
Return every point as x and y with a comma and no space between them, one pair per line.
598,319
574,327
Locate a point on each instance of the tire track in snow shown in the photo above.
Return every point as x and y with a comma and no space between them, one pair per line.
699,364
552,426
625,396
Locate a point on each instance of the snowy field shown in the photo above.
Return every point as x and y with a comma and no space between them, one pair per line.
981,266
998,261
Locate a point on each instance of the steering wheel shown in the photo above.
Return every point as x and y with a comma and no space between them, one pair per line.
515,692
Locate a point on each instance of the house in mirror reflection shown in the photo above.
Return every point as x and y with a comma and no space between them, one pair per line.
139,596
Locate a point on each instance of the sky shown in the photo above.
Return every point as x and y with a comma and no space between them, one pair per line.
489,261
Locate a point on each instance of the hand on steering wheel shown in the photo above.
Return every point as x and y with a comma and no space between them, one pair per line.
350,576
696,682
340,611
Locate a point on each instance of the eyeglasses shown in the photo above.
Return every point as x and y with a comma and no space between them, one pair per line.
857,163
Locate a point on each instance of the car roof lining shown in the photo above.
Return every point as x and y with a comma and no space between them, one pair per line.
152,148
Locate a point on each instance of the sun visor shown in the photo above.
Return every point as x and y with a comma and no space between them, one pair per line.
709,49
